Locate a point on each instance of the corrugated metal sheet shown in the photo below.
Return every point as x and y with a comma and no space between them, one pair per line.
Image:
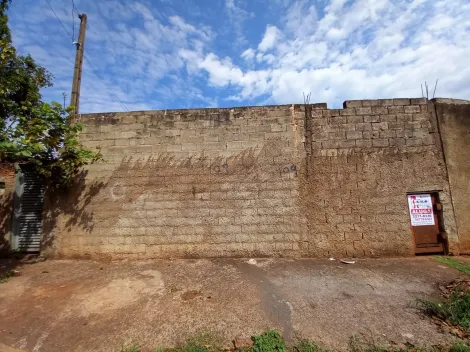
29,215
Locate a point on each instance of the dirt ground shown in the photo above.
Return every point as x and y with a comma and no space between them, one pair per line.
65,305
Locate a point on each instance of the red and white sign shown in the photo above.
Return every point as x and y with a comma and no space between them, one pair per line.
421,212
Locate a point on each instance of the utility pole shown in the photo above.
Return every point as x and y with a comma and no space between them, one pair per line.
77,72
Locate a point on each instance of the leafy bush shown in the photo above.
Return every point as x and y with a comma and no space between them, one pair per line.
270,341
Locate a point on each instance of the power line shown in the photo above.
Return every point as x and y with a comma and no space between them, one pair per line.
74,8
89,62
73,24
104,83
58,19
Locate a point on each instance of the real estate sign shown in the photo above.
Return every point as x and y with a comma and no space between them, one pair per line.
421,212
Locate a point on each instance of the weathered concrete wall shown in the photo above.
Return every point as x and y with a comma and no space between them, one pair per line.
186,183
7,176
363,161
454,122
257,181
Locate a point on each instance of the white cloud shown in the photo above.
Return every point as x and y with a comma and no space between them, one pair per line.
150,56
357,50
248,54
237,16
131,61
269,39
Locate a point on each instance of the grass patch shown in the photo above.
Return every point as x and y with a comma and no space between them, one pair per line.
272,341
131,348
308,346
5,277
459,347
455,310
453,263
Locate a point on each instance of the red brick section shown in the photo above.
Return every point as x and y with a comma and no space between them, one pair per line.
7,175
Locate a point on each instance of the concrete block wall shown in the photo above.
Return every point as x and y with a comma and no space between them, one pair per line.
185,183
363,161
283,180
454,125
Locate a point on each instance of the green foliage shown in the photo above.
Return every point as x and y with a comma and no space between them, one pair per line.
459,347
456,309
5,277
190,346
270,341
31,131
460,266
20,77
307,346
48,141
131,348
359,345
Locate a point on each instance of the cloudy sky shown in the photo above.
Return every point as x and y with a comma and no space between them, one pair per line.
166,54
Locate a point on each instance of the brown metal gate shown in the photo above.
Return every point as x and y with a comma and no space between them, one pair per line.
426,226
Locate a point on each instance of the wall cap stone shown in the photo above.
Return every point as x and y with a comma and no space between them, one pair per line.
450,101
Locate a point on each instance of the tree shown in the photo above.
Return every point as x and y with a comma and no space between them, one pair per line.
32,131
20,77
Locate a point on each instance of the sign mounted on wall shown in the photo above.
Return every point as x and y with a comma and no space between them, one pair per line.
421,212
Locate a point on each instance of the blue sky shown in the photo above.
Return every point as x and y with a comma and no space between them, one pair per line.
164,54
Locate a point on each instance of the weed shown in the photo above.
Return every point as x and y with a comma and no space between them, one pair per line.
204,339
459,347
360,345
5,277
307,346
270,341
455,310
131,348
200,343
453,263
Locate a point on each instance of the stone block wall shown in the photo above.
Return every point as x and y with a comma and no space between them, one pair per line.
454,123
363,161
290,180
185,183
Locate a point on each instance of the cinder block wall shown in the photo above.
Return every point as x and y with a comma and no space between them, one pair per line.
256,181
363,161
454,121
185,183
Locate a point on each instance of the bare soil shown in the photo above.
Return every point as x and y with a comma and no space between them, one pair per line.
68,305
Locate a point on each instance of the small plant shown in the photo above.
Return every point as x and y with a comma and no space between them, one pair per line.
131,348
453,263
307,346
456,309
200,343
192,346
270,341
361,345
5,277
459,347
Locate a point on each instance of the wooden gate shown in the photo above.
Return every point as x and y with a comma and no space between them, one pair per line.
426,226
